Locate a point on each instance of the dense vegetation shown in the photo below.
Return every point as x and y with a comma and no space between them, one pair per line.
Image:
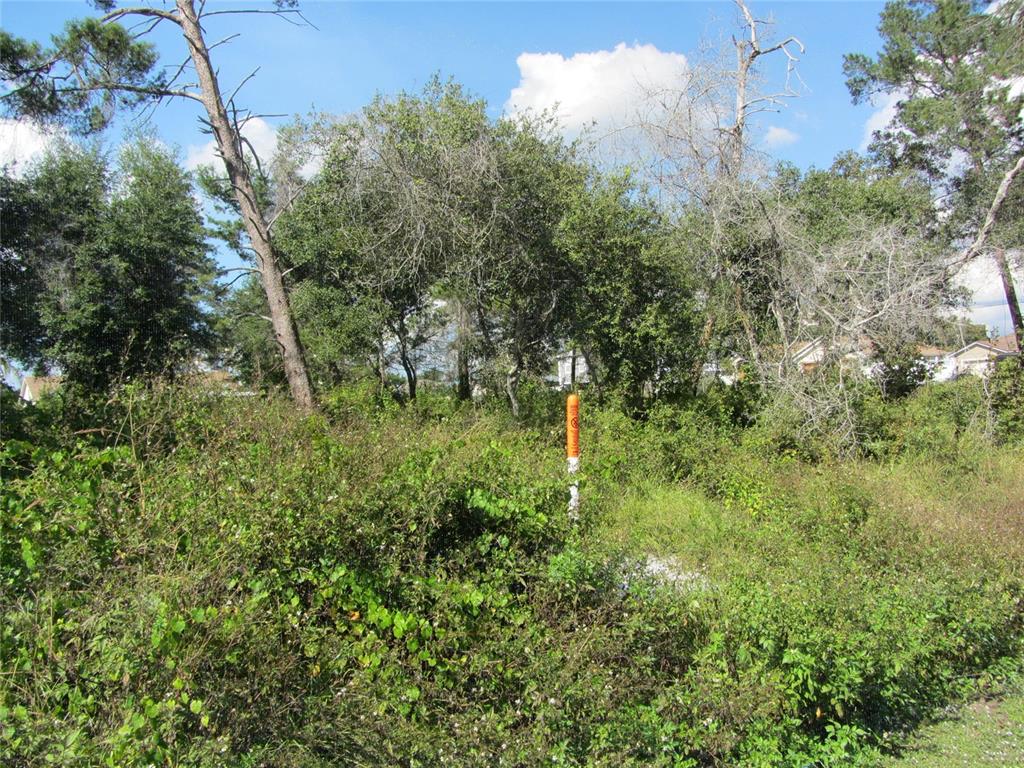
217,580
780,561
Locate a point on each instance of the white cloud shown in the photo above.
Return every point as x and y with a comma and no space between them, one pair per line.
885,111
987,304
779,137
21,142
604,88
1014,90
261,134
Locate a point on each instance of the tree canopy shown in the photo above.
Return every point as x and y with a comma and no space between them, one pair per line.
109,269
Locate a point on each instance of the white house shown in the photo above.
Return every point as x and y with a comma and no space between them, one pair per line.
565,360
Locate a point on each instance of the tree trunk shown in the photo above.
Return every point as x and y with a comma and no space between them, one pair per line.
230,147
736,133
382,368
1011,296
465,388
512,388
748,328
410,376
402,334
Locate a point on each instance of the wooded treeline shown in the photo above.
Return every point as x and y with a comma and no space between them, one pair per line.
424,238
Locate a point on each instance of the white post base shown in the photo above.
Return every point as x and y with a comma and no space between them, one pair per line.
574,489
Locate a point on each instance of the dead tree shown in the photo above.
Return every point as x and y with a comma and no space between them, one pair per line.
698,135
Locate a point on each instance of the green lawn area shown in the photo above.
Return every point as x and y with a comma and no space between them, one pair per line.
987,732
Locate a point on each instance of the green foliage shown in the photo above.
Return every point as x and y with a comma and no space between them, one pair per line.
946,53
989,732
111,267
221,581
91,68
245,337
21,281
630,309
49,216
954,333
838,619
202,579
952,62
944,420
448,217
488,238
1007,391
899,371
828,200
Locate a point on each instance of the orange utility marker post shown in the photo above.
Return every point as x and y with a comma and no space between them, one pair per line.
572,450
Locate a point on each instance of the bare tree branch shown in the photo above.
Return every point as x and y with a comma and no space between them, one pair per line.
141,11
991,215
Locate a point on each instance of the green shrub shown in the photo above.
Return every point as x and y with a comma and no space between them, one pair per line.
942,420
359,400
1007,389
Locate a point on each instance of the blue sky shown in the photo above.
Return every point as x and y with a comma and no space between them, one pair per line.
360,49
596,51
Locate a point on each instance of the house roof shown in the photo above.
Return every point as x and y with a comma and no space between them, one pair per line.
928,350
996,351
1007,343
216,377
34,387
800,349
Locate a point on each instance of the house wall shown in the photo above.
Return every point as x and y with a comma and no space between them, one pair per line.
976,361
565,370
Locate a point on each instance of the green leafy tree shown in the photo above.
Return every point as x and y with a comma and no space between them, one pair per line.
244,340
373,236
50,216
431,223
524,281
1007,392
954,66
632,311
424,202
22,335
116,267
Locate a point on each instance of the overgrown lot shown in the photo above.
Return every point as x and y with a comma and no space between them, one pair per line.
204,580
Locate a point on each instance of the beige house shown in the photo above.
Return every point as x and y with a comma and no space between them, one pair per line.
933,356
808,355
978,357
34,387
